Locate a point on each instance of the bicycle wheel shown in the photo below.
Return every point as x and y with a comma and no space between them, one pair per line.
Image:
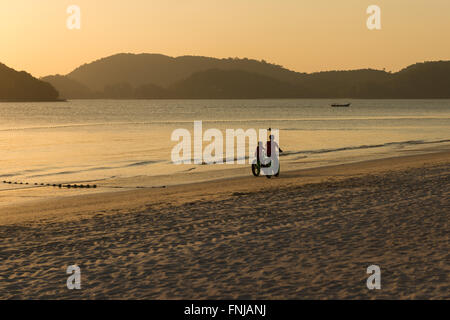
256,170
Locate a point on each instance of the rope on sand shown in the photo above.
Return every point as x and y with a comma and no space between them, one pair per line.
59,185
73,186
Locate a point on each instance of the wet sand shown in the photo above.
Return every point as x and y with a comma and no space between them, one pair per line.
305,235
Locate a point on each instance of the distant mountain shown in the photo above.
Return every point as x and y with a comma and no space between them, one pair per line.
160,70
343,84
232,84
429,80
69,88
21,86
154,76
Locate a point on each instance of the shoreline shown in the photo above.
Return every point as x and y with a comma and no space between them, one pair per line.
18,192
135,198
33,101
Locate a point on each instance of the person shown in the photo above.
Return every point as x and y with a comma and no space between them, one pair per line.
269,145
259,152
275,162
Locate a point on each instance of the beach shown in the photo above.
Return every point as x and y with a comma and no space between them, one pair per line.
309,234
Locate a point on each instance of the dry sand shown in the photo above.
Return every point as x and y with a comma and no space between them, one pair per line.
307,234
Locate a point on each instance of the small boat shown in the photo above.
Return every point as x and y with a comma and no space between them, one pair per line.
336,105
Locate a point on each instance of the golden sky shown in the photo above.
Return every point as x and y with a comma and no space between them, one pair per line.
302,35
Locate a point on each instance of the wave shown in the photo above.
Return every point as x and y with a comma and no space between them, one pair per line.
49,174
255,120
138,164
321,151
400,143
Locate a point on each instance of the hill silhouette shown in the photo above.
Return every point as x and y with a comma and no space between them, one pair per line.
343,84
155,76
232,84
69,88
21,86
160,70
422,80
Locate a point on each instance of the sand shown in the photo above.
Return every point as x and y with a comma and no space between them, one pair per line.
309,234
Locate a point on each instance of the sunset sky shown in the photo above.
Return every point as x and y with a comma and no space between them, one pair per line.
301,35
